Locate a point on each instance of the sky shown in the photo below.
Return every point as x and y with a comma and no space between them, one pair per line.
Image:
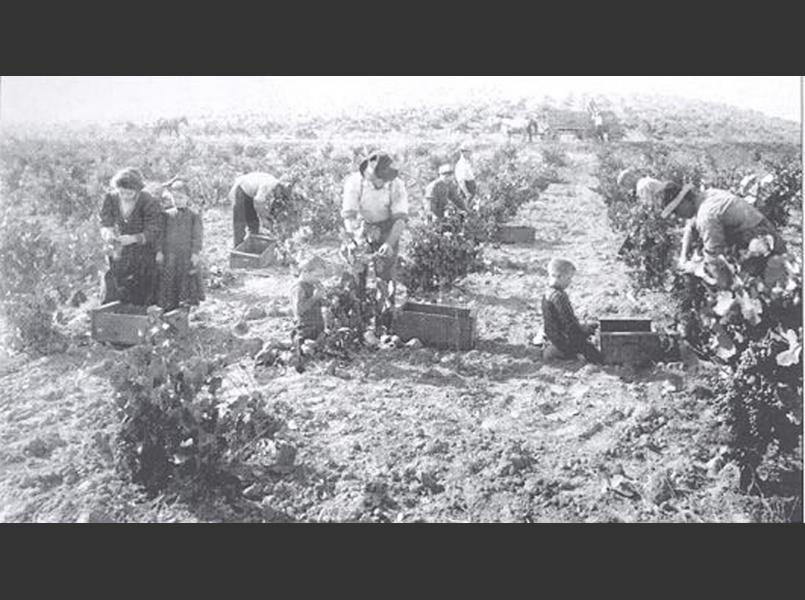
140,98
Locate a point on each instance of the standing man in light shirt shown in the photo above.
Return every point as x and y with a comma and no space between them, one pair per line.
465,177
262,188
375,207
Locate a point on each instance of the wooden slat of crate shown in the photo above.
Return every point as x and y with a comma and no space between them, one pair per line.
630,347
516,234
255,252
439,326
625,324
120,328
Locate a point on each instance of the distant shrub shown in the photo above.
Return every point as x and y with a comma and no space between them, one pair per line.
40,272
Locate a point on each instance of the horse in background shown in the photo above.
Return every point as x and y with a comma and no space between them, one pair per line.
170,126
515,126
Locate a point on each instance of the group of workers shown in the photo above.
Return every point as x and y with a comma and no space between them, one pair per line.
150,262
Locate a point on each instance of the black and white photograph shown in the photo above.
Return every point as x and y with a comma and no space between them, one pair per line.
401,299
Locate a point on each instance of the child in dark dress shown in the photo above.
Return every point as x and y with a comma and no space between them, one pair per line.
179,251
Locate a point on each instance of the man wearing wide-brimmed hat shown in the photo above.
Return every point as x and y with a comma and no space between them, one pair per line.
375,207
720,219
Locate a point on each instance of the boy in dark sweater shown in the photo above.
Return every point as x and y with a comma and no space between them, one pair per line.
565,336
307,299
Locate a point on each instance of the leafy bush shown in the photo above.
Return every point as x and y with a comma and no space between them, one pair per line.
784,194
651,246
762,402
746,316
177,433
554,156
438,255
509,182
41,270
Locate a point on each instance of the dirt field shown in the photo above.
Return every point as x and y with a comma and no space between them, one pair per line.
492,435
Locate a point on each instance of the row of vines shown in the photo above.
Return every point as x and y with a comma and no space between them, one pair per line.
746,317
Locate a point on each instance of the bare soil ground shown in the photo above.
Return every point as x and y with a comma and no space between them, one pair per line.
494,435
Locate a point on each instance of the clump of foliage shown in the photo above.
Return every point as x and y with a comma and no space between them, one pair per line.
177,433
43,270
438,255
744,313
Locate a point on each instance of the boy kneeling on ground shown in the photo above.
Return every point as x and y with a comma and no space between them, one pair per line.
565,336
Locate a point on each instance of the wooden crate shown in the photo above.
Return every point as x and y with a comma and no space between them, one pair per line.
436,325
629,341
255,252
121,325
516,234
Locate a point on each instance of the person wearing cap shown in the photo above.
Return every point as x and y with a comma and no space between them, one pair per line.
465,177
375,207
255,187
720,219
442,194
130,227
650,191
179,251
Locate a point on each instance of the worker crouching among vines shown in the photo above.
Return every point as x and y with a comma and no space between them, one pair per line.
443,197
375,213
723,223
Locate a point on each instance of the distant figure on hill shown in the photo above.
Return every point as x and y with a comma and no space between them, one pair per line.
256,186
533,129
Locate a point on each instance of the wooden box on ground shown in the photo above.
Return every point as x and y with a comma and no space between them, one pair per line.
436,325
629,341
255,252
516,234
126,324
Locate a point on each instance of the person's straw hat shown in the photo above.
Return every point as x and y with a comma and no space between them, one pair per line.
672,205
383,168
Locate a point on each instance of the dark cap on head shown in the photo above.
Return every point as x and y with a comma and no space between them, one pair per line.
383,168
